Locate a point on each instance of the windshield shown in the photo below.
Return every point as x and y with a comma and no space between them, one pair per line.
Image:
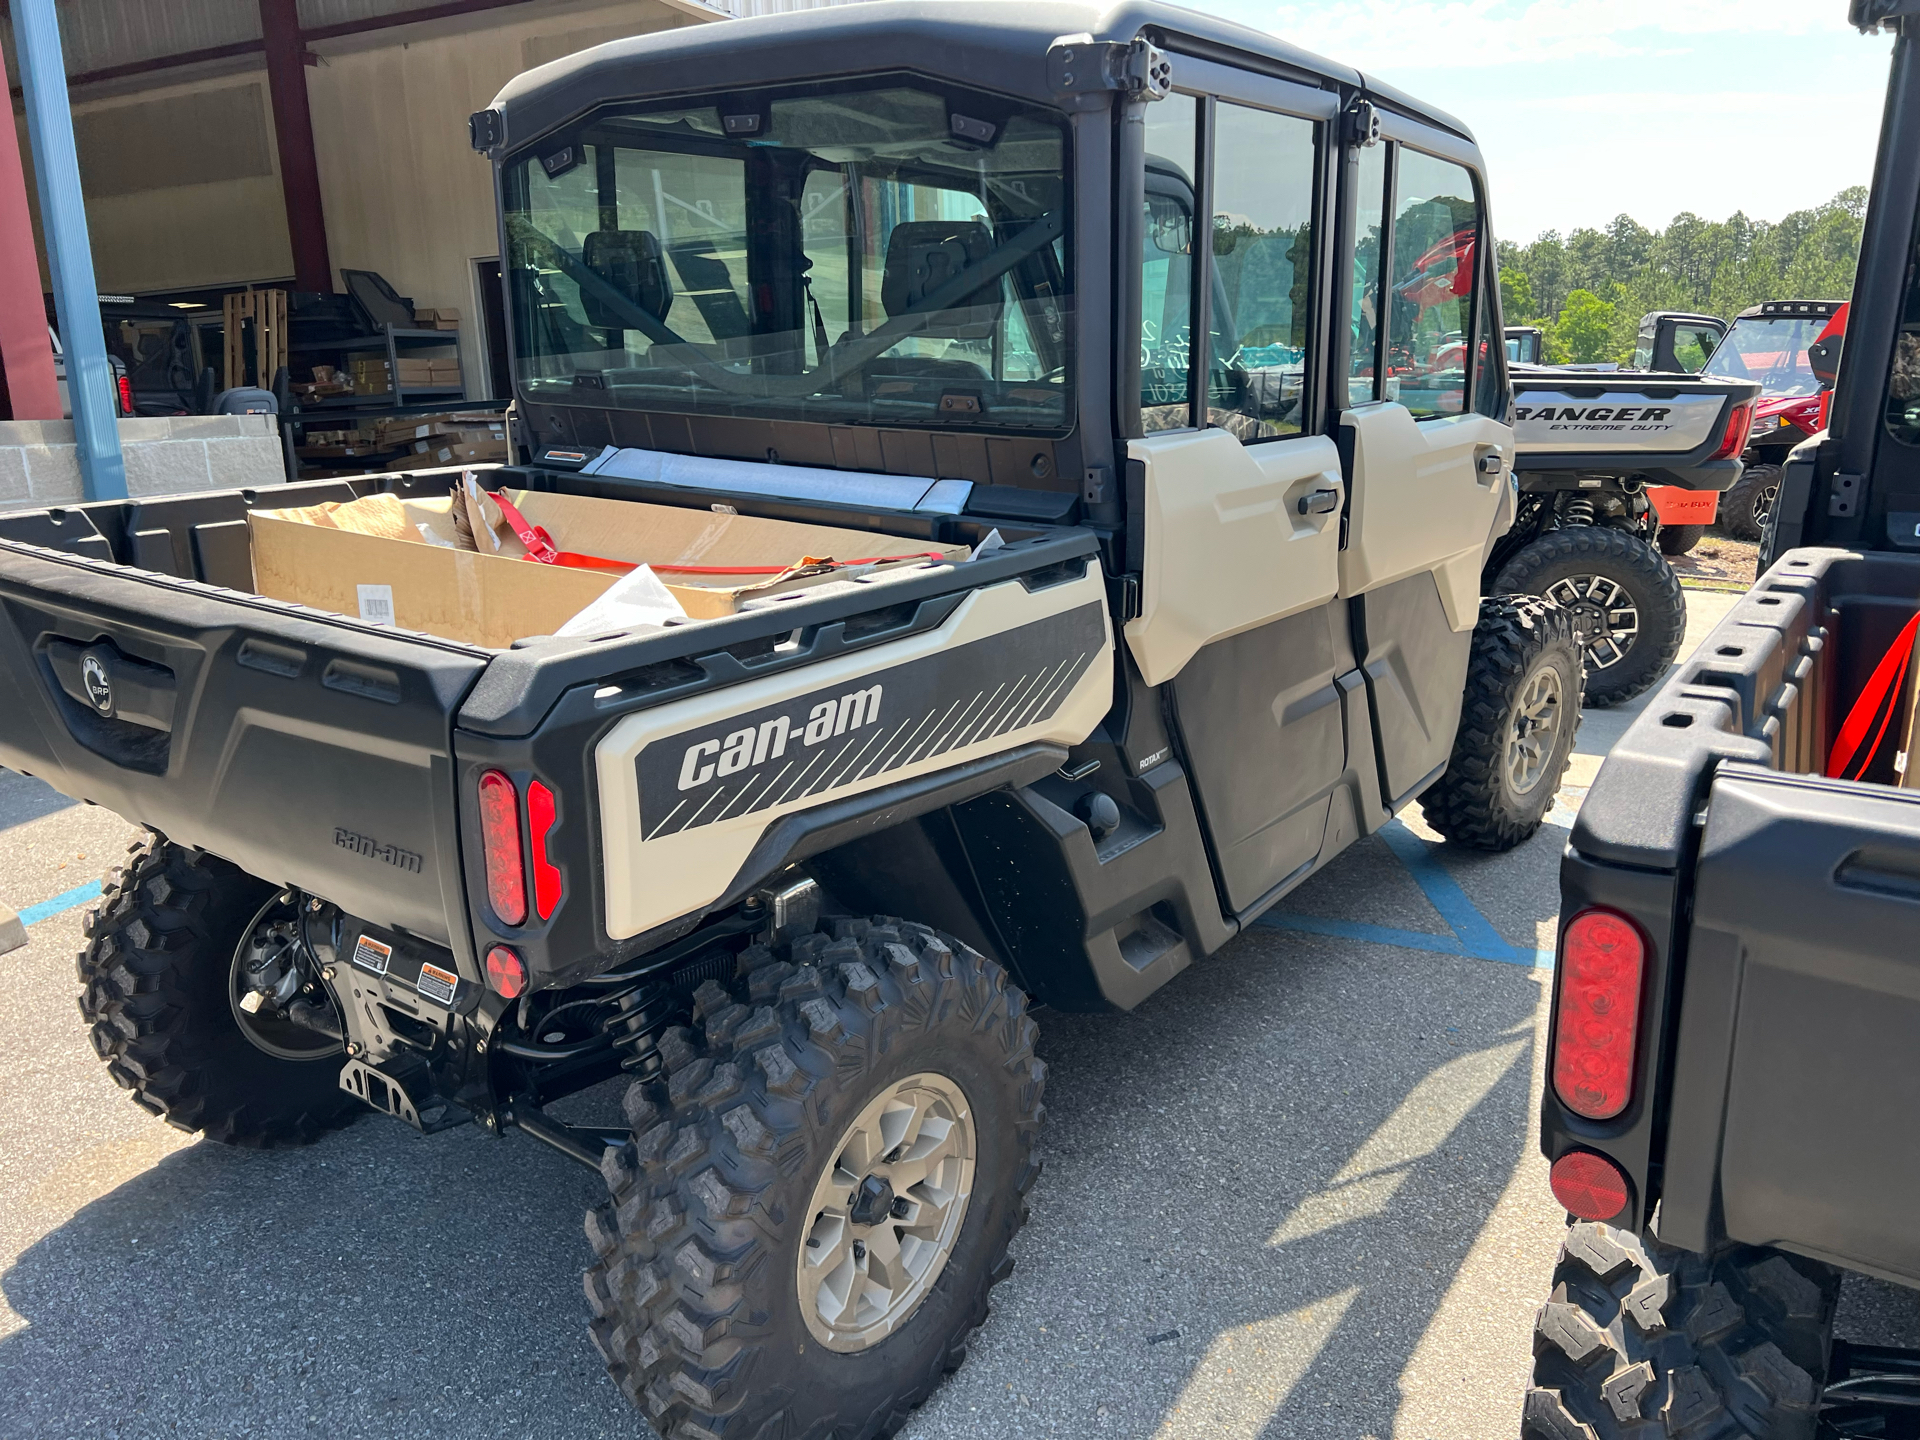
891,254
1774,352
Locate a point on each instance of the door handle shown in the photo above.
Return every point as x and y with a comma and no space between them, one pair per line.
1489,463
1318,502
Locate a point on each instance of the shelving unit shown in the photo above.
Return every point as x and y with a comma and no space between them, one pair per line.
395,341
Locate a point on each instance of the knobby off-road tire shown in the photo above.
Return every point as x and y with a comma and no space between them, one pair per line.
1645,1342
1679,539
1517,724
155,974
1747,503
1567,565
693,1290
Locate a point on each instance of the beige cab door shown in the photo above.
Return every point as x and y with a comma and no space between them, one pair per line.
1238,500
1431,454
1236,537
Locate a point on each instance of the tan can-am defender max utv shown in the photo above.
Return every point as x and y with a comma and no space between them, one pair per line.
931,271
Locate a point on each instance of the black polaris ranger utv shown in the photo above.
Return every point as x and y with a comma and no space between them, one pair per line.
1085,279
1734,1073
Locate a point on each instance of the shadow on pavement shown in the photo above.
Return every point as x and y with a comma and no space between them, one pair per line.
1260,1186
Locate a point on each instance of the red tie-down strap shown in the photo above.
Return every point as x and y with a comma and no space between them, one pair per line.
1877,702
540,547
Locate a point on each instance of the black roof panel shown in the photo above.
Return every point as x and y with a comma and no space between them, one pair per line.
998,45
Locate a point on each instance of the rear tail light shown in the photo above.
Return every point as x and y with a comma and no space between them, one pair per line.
500,847
506,973
546,875
1588,1185
1597,1014
1739,423
126,395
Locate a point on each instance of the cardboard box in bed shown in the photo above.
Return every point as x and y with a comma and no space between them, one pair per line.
414,576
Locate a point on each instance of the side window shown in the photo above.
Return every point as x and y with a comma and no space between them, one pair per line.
1262,251
1166,264
1436,243
1370,223
1693,346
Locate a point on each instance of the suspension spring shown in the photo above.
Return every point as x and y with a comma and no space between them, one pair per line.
1578,510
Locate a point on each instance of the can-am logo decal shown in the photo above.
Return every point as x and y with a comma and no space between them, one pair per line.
371,848
755,745
881,722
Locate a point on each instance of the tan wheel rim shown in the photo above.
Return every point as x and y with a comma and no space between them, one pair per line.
1533,734
886,1212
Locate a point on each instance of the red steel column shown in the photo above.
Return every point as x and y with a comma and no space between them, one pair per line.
28,389
293,128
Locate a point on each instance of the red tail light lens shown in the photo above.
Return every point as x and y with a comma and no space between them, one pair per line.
500,847
1739,423
506,973
1597,1014
1588,1185
546,875
126,395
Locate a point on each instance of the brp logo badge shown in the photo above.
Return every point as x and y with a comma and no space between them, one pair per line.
93,674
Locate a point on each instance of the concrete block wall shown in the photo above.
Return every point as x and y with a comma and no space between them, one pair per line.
165,455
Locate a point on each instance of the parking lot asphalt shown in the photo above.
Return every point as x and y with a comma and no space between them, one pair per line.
1294,1194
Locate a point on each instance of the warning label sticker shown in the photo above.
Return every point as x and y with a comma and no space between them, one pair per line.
371,954
437,984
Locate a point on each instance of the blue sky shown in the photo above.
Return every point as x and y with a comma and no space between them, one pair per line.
1589,108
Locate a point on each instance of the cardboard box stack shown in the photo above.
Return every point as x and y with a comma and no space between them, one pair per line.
444,318
435,440
372,374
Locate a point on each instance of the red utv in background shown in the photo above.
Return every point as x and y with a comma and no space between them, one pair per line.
1792,347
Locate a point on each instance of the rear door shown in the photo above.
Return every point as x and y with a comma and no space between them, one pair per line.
1239,487
1425,438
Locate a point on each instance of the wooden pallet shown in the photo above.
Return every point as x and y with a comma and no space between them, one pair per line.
263,314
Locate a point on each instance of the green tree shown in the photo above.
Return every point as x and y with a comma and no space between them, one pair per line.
1585,328
1516,294
1716,267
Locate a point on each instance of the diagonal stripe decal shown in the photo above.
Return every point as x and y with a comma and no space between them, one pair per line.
868,727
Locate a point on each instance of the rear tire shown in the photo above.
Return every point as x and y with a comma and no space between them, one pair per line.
696,1288
1747,504
1642,1341
1517,725
1624,598
1679,539
155,976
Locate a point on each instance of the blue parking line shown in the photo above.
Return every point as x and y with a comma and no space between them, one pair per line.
1474,936
61,903
1443,892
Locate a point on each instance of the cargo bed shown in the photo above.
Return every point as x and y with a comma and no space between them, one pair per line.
1666,428
1782,909
319,751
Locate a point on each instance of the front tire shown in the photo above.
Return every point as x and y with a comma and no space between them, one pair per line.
1517,725
155,978
1642,1341
1747,504
700,1288
1624,598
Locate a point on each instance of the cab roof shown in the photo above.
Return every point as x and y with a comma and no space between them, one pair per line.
996,45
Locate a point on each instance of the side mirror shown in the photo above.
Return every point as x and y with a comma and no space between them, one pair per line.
630,262
1823,358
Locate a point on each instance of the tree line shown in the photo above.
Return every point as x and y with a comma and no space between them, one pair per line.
1587,291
